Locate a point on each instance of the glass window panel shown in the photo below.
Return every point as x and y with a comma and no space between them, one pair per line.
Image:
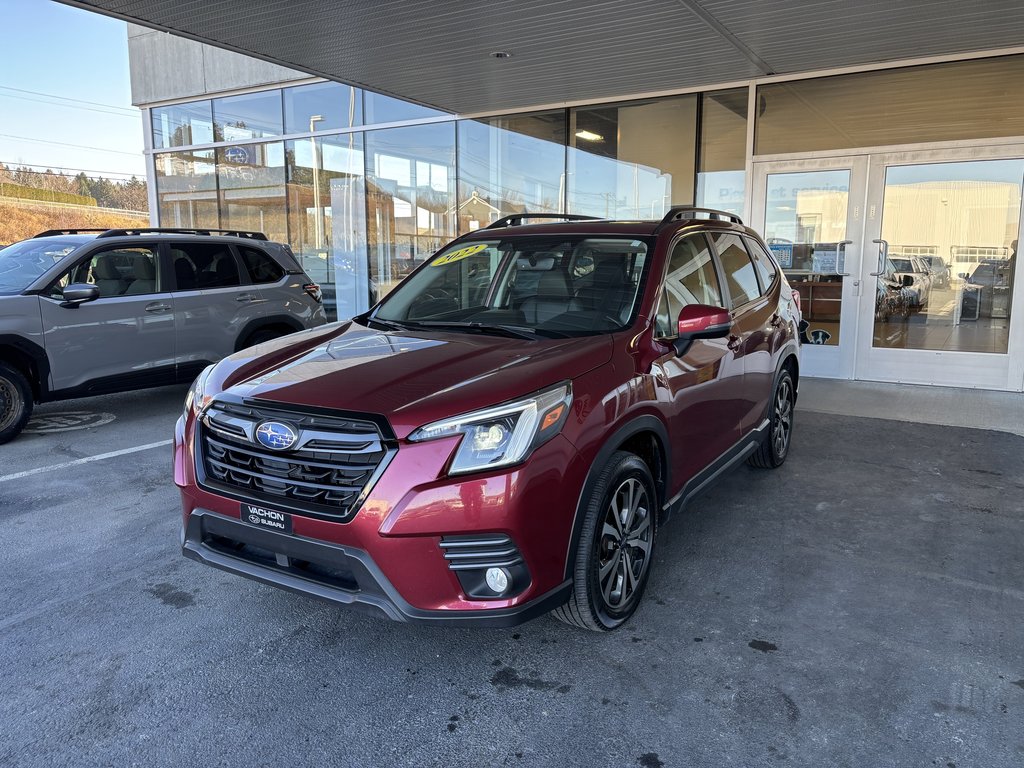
721,178
120,271
510,165
327,219
691,277
410,175
740,275
251,180
385,109
805,228
204,266
632,160
940,102
260,267
337,106
249,116
765,269
182,124
186,189
948,268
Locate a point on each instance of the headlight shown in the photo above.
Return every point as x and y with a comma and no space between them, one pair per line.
504,434
196,397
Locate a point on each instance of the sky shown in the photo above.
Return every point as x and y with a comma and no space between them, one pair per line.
65,99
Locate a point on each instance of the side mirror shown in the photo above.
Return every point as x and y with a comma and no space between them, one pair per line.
700,321
962,275
906,281
79,293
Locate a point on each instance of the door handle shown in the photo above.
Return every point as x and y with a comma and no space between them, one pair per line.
245,297
841,256
776,320
158,307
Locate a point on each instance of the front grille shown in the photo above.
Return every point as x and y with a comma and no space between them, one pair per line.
490,550
327,475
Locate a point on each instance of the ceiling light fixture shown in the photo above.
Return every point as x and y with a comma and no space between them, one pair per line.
589,136
502,54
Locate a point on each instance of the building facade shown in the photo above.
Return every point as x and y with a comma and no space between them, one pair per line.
891,195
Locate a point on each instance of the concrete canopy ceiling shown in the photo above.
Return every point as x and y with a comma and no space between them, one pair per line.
439,53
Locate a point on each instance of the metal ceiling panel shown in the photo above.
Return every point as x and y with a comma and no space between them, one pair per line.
439,53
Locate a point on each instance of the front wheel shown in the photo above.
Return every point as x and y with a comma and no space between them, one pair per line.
775,448
613,558
15,402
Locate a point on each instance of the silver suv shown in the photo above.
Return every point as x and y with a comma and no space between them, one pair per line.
87,312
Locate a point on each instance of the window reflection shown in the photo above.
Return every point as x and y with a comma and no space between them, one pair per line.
633,160
510,165
385,109
186,184
327,219
721,178
249,116
322,107
251,180
410,189
949,254
182,124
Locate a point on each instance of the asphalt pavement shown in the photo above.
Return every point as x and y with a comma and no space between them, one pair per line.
862,606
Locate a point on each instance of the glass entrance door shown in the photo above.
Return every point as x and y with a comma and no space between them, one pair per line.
810,213
943,269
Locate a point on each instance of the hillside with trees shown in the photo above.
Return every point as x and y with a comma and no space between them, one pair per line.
32,201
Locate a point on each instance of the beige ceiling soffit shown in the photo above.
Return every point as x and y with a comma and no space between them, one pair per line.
698,10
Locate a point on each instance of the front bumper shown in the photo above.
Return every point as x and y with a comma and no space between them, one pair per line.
334,572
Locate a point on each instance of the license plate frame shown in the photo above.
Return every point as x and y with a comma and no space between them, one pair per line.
265,517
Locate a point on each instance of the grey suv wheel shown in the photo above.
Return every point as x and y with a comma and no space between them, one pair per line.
616,546
15,402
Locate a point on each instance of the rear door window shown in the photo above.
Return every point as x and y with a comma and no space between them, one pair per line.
260,266
740,272
202,266
765,266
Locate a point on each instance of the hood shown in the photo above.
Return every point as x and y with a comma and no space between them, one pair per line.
411,378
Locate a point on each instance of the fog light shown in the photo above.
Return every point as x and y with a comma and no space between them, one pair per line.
497,579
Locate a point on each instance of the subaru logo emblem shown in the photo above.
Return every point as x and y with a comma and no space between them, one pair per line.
276,436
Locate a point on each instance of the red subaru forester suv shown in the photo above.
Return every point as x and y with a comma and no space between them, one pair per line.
506,432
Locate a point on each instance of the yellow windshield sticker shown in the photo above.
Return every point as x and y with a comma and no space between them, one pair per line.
458,255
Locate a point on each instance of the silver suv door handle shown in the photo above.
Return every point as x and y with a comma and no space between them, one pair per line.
245,297
158,307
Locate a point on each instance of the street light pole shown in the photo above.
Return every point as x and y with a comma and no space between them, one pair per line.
318,222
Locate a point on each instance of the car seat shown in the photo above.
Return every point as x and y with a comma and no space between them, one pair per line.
106,276
552,298
609,288
144,273
184,274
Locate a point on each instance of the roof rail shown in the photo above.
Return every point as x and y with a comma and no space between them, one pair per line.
177,231
517,218
678,212
76,231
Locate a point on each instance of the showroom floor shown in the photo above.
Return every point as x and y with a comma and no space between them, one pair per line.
859,607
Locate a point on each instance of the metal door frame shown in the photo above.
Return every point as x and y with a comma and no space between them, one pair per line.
957,369
834,362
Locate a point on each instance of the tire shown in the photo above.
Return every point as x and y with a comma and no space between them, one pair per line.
774,448
593,604
15,402
260,337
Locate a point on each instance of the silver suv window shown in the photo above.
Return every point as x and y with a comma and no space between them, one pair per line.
21,263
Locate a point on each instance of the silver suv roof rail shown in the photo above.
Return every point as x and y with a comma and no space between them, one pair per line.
176,231
107,232
517,218
678,212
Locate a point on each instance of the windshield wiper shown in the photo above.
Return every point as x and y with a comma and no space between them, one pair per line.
511,331
388,325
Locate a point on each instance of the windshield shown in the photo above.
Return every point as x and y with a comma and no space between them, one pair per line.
22,263
543,286
902,265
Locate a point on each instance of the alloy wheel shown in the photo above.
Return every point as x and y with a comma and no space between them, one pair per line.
10,403
783,421
625,544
